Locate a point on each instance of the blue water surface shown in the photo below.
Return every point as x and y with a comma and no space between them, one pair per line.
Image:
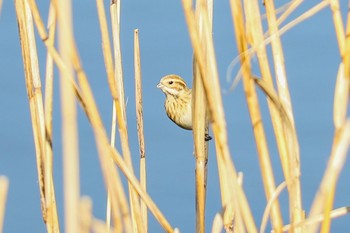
311,59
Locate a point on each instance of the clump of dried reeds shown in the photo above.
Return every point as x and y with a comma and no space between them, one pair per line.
129,214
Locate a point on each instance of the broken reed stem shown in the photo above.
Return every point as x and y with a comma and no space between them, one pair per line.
254,28
121,112
227,172
139,123
200,122
4,185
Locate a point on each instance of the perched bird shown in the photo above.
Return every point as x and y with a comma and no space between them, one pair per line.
178,101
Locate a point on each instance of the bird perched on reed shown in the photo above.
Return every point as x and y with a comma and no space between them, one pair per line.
178,101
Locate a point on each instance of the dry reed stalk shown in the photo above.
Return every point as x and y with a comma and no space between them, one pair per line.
4,185
323,201
289,10
69,119
200,122
121,111
52,218
230,189
106,48
255,32
33,85
139,122
295,201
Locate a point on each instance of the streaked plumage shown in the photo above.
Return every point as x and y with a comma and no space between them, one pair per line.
178,102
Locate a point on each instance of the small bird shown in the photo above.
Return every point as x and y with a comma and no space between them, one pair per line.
178,101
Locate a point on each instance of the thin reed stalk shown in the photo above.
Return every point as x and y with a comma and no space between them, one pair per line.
295,202
139,123
52,218
231,200
200,122
254,28
121,112
4,185
69,120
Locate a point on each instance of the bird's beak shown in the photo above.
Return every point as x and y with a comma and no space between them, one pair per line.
159,85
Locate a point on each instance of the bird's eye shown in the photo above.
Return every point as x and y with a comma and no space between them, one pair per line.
170,82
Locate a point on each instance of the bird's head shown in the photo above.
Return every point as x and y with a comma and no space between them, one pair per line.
172,85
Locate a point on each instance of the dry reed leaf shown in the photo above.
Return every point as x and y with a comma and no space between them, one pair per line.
268,207
4,185
324,198
336,213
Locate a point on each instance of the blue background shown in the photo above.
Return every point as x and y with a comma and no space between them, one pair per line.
311,57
